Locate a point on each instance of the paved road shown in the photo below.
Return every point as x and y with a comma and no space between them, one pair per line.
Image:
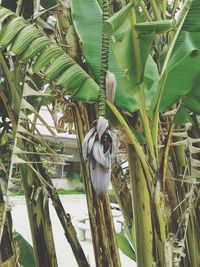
76,206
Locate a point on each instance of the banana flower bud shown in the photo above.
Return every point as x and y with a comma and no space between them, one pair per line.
111,84
99,149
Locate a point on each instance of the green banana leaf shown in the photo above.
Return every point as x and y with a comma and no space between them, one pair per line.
26,256
87,19
181,73
188,107
155,26
182,116
29,43
123,48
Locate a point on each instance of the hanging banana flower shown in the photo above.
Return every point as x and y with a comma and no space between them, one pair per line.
99,143
99,148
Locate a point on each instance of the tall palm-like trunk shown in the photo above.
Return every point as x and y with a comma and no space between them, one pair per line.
101,221
39,218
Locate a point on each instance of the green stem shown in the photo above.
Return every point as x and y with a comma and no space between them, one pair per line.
146,12
143,227
104,63
164,8
175,4
155,9
166,154
133,141
141,96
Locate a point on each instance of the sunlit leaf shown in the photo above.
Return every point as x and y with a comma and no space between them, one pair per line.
24,39
50,53
59,65
10,30
36,46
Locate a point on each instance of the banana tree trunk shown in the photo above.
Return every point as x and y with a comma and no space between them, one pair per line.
143,227
65,220
7,251
123,194
101,221
39,219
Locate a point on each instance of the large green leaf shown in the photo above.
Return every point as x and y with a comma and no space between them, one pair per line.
125,56
88,22
182,116
87,17
29,43
181,73
60,64
183,69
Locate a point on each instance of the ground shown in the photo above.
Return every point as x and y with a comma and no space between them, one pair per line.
76,206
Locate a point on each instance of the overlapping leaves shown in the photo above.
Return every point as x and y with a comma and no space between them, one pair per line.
88,22
28,43
87,17
180,77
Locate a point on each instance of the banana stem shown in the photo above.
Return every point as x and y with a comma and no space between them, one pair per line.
133,141
164,8
146,12
166,153
175,5
104,63
155,9
141,96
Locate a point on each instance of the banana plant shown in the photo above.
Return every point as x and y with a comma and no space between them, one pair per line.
152,51
104,203
132,42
